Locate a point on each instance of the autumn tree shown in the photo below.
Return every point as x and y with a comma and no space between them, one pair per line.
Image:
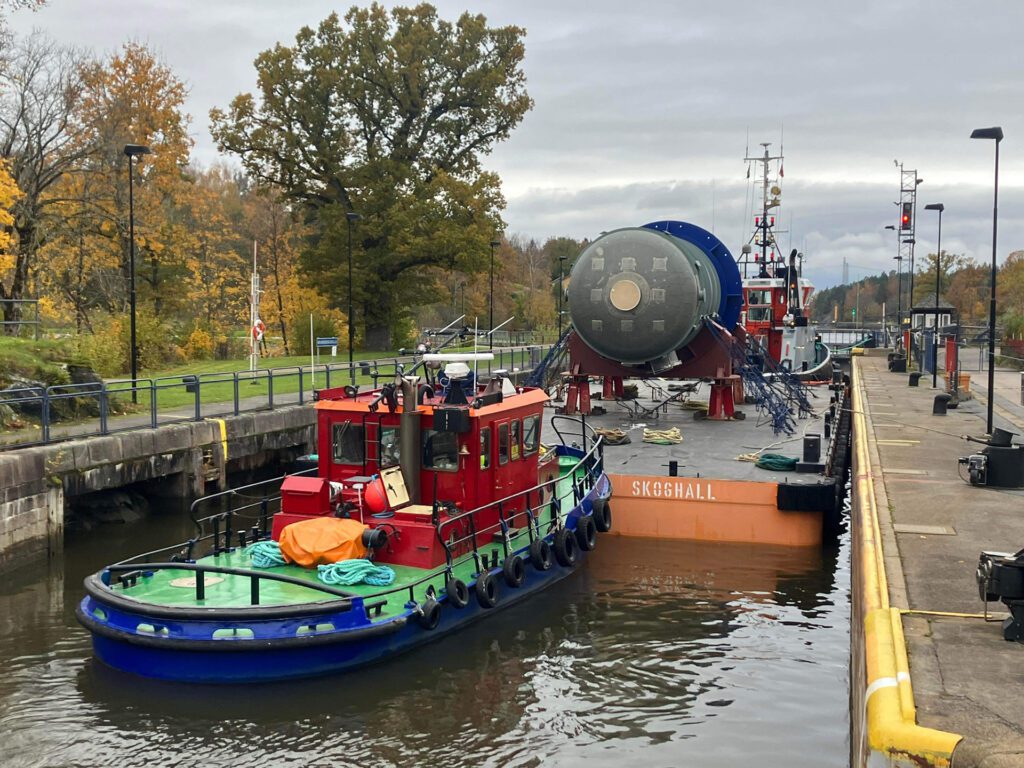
387,115
40,89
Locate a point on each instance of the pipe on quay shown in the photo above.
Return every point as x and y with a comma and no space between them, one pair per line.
893,736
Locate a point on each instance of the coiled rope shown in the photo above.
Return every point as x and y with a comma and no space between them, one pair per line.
613,436
349,572
265,554
663,436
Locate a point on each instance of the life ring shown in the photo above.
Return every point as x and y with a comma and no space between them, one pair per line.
540,554
566,549
603,515
258,330
514,571
486,590
430,614
458,592
586,533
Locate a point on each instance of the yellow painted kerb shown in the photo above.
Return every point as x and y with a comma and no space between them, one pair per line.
889,698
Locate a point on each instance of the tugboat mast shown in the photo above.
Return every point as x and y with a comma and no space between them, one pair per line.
763,235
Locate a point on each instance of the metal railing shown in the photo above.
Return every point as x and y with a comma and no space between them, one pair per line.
72,411
220,532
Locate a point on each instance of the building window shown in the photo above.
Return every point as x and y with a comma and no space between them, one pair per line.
390,447
503,443
516,430
485,448
440,451
531,434
348,443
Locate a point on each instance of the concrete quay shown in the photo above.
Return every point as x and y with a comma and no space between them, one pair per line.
932,682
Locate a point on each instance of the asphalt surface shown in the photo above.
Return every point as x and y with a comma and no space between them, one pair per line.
966,678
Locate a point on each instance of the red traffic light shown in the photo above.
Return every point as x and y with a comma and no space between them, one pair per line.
905,217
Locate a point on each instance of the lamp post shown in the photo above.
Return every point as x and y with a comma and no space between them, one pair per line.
938,271
561,290
462,291
351,217
490,297
995,133
132,151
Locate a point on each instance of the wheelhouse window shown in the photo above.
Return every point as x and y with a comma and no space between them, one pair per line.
485,448
516,431
531,434
503,443
440,451
390,447
348,443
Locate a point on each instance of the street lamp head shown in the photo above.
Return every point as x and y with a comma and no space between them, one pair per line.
996,132
134,150
910,241
352,217
890,226
918,182
935,207
495,243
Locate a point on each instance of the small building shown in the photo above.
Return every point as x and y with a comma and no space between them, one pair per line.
922,314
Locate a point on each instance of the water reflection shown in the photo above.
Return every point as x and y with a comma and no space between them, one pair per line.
654,653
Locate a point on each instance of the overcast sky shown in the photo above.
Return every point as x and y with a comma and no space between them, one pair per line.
643,108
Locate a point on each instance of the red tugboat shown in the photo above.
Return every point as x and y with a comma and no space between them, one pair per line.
775,292
429,509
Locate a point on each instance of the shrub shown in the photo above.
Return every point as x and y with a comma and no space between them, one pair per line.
199,345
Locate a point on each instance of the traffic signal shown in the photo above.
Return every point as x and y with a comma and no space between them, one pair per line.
908,209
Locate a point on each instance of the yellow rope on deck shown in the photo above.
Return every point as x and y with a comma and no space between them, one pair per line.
663,436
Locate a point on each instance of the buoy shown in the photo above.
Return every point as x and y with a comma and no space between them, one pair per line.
586,533
603,515
540,554
430,614
486,590
375,496
565,547
458,592
514,571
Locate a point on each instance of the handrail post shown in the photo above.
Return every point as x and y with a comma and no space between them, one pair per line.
104,409
46,415
237,399
254,590
270,388
152,400
200,585
198,398
301,390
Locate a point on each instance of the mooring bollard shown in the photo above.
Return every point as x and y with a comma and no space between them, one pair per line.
941,403
914,378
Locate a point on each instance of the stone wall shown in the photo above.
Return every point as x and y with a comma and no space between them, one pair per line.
184,458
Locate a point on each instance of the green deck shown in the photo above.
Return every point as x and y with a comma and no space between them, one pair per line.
234,590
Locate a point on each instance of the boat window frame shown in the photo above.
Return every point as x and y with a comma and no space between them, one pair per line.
503,429
339,427
485,447
427,437
515,439
396,457
527,449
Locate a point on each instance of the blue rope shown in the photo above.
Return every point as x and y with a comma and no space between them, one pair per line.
265,554
349,572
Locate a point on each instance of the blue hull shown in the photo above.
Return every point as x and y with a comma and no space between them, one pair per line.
268,659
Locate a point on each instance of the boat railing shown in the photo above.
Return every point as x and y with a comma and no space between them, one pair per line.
462,531
128,574
585,429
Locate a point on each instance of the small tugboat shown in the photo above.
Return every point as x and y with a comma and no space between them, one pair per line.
441,506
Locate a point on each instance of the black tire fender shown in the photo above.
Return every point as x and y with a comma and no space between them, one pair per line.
486,590
430,614
586,533
566,548
514,571
540,554
458,593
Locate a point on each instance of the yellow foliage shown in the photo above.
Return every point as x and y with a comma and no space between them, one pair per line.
199,345
9,195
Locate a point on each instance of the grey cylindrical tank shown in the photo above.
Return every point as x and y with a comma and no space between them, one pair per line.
636,295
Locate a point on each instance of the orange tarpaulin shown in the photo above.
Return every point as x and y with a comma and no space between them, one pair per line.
322,540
